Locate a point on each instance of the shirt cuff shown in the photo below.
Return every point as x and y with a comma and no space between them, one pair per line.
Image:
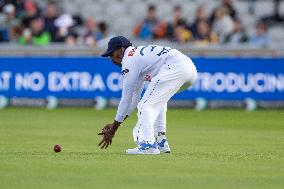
119,118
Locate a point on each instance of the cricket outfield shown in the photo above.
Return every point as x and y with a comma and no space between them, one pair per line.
211,149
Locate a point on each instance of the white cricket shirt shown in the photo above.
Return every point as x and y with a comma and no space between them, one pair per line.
140,64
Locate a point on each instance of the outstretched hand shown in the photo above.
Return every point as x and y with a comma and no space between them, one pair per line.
108,133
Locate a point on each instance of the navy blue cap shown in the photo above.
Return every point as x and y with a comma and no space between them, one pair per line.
115,43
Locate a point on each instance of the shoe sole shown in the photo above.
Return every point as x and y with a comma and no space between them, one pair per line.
166,152
146,153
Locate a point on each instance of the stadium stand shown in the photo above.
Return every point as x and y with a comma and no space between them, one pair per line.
118,12
119,17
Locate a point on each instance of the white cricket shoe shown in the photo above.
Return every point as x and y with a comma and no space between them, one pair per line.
164,146
144,148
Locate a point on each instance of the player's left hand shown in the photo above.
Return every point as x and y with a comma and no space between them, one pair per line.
108,133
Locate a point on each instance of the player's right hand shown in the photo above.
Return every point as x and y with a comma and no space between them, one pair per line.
108,133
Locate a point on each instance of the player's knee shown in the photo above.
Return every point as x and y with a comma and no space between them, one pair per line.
141,107
145,109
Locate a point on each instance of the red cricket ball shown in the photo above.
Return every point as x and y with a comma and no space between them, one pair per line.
57,148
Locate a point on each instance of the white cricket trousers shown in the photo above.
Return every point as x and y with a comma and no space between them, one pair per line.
173,77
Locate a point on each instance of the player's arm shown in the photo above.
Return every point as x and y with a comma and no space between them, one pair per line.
134,102
130,80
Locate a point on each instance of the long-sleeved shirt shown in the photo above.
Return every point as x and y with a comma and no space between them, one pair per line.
140,64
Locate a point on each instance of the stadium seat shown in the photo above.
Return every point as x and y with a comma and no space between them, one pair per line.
122,15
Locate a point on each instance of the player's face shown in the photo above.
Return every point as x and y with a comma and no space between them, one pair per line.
116,56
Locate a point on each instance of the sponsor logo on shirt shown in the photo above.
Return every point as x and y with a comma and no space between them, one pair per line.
148,78
125,71
131,53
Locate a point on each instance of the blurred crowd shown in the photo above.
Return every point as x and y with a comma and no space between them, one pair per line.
25,22
222,26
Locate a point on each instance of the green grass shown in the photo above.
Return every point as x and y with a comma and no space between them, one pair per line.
222,149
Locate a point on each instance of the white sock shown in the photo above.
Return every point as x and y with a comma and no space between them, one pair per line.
160,136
